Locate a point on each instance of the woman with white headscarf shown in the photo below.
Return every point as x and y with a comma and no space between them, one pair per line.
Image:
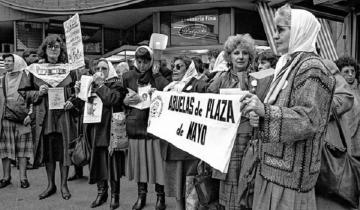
16,139
105,167
145,163
179,164
292,120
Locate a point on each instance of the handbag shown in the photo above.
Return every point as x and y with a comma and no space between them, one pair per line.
246,183
80,150
15,111
118,138
81,153
339,172
206,187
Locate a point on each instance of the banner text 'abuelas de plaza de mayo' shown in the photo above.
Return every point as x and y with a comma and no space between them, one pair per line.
204,125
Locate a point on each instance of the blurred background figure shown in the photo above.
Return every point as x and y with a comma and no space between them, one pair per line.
266,60
121,68
349,70
30,56
165,71
212,55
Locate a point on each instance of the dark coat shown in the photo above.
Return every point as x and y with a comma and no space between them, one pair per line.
112,95
136,119
29,89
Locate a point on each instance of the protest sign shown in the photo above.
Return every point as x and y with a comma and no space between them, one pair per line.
56,98
85,87
143,92
52,74
204,125
93,110
74,44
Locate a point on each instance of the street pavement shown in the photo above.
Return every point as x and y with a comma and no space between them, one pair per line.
15,198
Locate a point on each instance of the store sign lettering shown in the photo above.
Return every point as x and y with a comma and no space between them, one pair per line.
194,31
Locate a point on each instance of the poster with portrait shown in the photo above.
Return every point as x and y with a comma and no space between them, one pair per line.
56,98
74,44
93,110
144,96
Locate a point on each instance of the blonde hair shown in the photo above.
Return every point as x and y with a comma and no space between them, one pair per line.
245,41
284,13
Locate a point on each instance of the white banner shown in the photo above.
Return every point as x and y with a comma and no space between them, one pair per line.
74,44
204,125
52,74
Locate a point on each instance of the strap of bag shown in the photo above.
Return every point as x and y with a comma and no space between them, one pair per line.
341,132
4,87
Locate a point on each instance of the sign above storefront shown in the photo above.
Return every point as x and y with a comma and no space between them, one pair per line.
195,28
194,31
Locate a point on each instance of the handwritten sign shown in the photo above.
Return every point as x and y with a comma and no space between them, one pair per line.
74,44
204,125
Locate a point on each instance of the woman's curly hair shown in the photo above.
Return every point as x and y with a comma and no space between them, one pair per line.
348,61
52,39
245,41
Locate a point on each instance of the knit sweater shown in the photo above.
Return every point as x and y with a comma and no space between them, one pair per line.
294,126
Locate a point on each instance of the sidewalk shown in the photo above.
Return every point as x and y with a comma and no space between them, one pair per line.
15,198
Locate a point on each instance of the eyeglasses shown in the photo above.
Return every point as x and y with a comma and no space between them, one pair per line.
53,46
178,66
101,68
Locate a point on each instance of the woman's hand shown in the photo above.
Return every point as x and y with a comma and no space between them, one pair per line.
111,150
27,120
68,105
43,90
251,102
77,87
99,78
254,119
151,91
132,98
156,67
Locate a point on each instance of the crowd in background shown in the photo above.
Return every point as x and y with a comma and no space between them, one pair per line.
286,115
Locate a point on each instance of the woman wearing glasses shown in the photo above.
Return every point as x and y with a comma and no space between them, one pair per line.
54,128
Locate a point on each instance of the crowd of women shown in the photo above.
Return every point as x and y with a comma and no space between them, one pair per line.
287,112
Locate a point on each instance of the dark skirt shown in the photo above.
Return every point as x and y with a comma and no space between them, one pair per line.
55,149
175,179
105,167
229,186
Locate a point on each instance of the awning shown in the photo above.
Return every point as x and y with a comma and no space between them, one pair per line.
66,7
324,39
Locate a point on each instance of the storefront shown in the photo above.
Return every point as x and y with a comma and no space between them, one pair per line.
193,26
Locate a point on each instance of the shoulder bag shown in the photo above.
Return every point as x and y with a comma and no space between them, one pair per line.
339,173
14,111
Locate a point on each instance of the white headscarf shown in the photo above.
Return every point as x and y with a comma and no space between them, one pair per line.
220,63
19,63
112,71
303,34
150,51
179,85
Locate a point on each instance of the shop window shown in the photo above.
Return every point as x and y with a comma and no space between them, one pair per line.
191,27
28,35
111,39
249,22
91,34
